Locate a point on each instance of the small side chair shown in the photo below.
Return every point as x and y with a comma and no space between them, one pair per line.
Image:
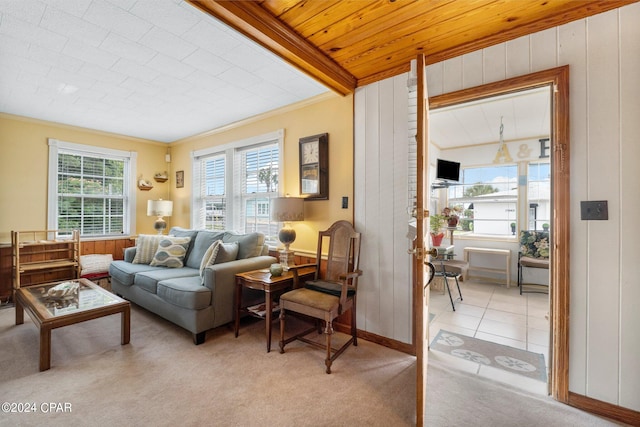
331,293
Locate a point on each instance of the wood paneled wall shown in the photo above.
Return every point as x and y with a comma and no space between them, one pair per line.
380,205
602,52
114,247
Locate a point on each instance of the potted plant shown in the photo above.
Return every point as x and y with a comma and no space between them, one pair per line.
436,222
452,216
513,228
545,226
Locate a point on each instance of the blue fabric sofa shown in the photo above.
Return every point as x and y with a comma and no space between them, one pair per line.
195,296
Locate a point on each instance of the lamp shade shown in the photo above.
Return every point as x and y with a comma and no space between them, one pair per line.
159,207
287,209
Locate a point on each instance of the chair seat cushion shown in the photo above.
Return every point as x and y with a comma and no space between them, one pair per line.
526,261
309,298
331,288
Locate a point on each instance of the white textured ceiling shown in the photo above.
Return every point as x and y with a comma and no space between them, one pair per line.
525,115
153,69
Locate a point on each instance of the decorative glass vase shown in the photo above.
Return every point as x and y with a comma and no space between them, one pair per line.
276,270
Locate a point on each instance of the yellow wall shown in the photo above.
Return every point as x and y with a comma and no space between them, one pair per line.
24,157
331,114
24,165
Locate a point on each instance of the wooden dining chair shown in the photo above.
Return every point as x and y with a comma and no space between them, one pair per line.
331,293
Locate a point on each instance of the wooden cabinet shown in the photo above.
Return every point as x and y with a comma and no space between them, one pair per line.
44,256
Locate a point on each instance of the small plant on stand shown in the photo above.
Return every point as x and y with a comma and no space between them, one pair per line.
436,222
452,216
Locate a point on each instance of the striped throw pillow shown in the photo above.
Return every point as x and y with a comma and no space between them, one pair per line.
146,247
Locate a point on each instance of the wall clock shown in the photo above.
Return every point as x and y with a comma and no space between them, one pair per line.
314,167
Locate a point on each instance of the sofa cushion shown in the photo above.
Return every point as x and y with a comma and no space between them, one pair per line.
171,252
249,245
183,232
125,272
148,280
186,292
203,241
146,247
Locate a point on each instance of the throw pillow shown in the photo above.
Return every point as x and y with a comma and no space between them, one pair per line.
534,244
95,263
210,256
171,252
228,252
183,232
146,247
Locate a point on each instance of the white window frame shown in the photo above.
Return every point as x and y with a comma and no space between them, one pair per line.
232,182
546,203
130,158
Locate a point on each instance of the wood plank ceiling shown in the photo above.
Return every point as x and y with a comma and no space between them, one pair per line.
350,43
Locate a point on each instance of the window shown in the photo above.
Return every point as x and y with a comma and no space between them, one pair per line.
213,196
258,184
487,199
234,184
90,189
539,195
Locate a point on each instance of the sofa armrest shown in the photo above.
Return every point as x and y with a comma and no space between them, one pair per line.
129,254
221,279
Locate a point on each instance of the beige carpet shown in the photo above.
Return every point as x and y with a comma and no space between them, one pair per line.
161,378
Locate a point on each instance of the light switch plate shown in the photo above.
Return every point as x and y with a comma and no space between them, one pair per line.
594,210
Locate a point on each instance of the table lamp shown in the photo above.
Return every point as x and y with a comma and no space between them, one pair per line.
287,210
159,209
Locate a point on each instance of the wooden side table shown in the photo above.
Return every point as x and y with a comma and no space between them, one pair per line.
263,281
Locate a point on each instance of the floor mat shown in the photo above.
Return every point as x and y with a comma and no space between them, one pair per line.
499,356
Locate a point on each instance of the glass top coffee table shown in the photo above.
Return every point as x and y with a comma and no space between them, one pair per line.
54,305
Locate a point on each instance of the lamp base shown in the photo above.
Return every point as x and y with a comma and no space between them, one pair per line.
287,259
160,225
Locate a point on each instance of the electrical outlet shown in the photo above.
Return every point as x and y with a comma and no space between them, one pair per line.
594,210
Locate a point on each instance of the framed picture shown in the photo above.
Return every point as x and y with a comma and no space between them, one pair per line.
179,179
314,167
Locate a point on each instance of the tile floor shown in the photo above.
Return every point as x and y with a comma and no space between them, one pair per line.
492,312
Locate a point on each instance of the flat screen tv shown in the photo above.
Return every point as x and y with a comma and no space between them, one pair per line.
447,170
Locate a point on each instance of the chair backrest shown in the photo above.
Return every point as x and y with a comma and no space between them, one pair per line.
534,244
343,254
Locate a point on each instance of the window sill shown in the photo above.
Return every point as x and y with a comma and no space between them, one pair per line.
486,237
114,237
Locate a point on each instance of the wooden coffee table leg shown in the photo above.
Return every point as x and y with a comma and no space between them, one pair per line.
45,347
126,325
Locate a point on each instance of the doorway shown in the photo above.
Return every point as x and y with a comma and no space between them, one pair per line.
557,82
502,168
